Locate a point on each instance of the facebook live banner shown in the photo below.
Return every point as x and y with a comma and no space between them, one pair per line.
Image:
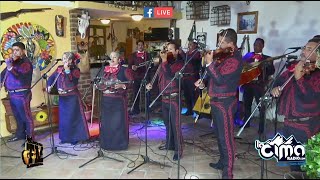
158,12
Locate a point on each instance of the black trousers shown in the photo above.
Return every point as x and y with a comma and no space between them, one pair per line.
302,131
189,93
170,113
249,93
223,111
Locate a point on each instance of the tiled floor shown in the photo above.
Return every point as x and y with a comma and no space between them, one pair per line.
199,150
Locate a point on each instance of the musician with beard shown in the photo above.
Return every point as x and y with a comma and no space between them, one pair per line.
114,132
135,59
224,75
299,99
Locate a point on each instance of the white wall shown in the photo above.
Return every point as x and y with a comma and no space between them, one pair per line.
282,24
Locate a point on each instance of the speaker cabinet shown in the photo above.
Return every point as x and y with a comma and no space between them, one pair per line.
39,116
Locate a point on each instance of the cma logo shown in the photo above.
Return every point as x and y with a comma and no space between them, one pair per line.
158,12
281,148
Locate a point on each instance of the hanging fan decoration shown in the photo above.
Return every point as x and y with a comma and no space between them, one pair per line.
39,43
41,116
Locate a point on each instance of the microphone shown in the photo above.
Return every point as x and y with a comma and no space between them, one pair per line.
58,59
296,48
291,57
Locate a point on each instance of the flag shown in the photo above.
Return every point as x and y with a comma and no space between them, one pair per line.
192,34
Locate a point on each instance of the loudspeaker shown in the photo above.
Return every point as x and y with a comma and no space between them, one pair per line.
39,116
160,34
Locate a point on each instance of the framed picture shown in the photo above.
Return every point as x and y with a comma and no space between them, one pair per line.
247,22
202,39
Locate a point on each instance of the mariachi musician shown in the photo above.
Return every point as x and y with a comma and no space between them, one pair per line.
191,75
224,67
171,64
73,127
136,58
16,79
298,92
256,87
114,133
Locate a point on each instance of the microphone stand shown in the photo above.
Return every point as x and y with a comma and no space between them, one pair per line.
268,89
96,80
178,75
100,152
54,149
264,102
146,159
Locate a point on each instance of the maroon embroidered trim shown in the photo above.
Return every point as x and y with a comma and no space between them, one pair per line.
76,73
229,66
224,94
25,67
301,85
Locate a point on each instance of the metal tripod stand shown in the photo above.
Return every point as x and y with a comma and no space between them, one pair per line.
146,158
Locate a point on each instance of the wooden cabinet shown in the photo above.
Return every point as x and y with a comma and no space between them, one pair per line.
40,116
129,47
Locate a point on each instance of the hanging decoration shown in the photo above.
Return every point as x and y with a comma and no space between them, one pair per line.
59,23
83,24
112,36
39,43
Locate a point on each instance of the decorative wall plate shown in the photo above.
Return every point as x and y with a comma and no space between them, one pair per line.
40,46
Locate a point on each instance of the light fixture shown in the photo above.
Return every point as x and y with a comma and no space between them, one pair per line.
105,21
136,17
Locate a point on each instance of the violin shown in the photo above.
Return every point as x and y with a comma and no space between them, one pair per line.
220,54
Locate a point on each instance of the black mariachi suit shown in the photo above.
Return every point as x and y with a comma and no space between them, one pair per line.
135,59
170,106
191,75
256,88
115,122
300,99
223,81
20,78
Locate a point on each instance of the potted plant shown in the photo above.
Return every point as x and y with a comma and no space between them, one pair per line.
312,166
311,169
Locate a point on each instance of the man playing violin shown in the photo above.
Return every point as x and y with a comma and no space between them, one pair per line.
299,97
171,64
135,59
16,78
256,88
224,67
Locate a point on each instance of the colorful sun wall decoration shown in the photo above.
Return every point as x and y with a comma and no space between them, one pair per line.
40,46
